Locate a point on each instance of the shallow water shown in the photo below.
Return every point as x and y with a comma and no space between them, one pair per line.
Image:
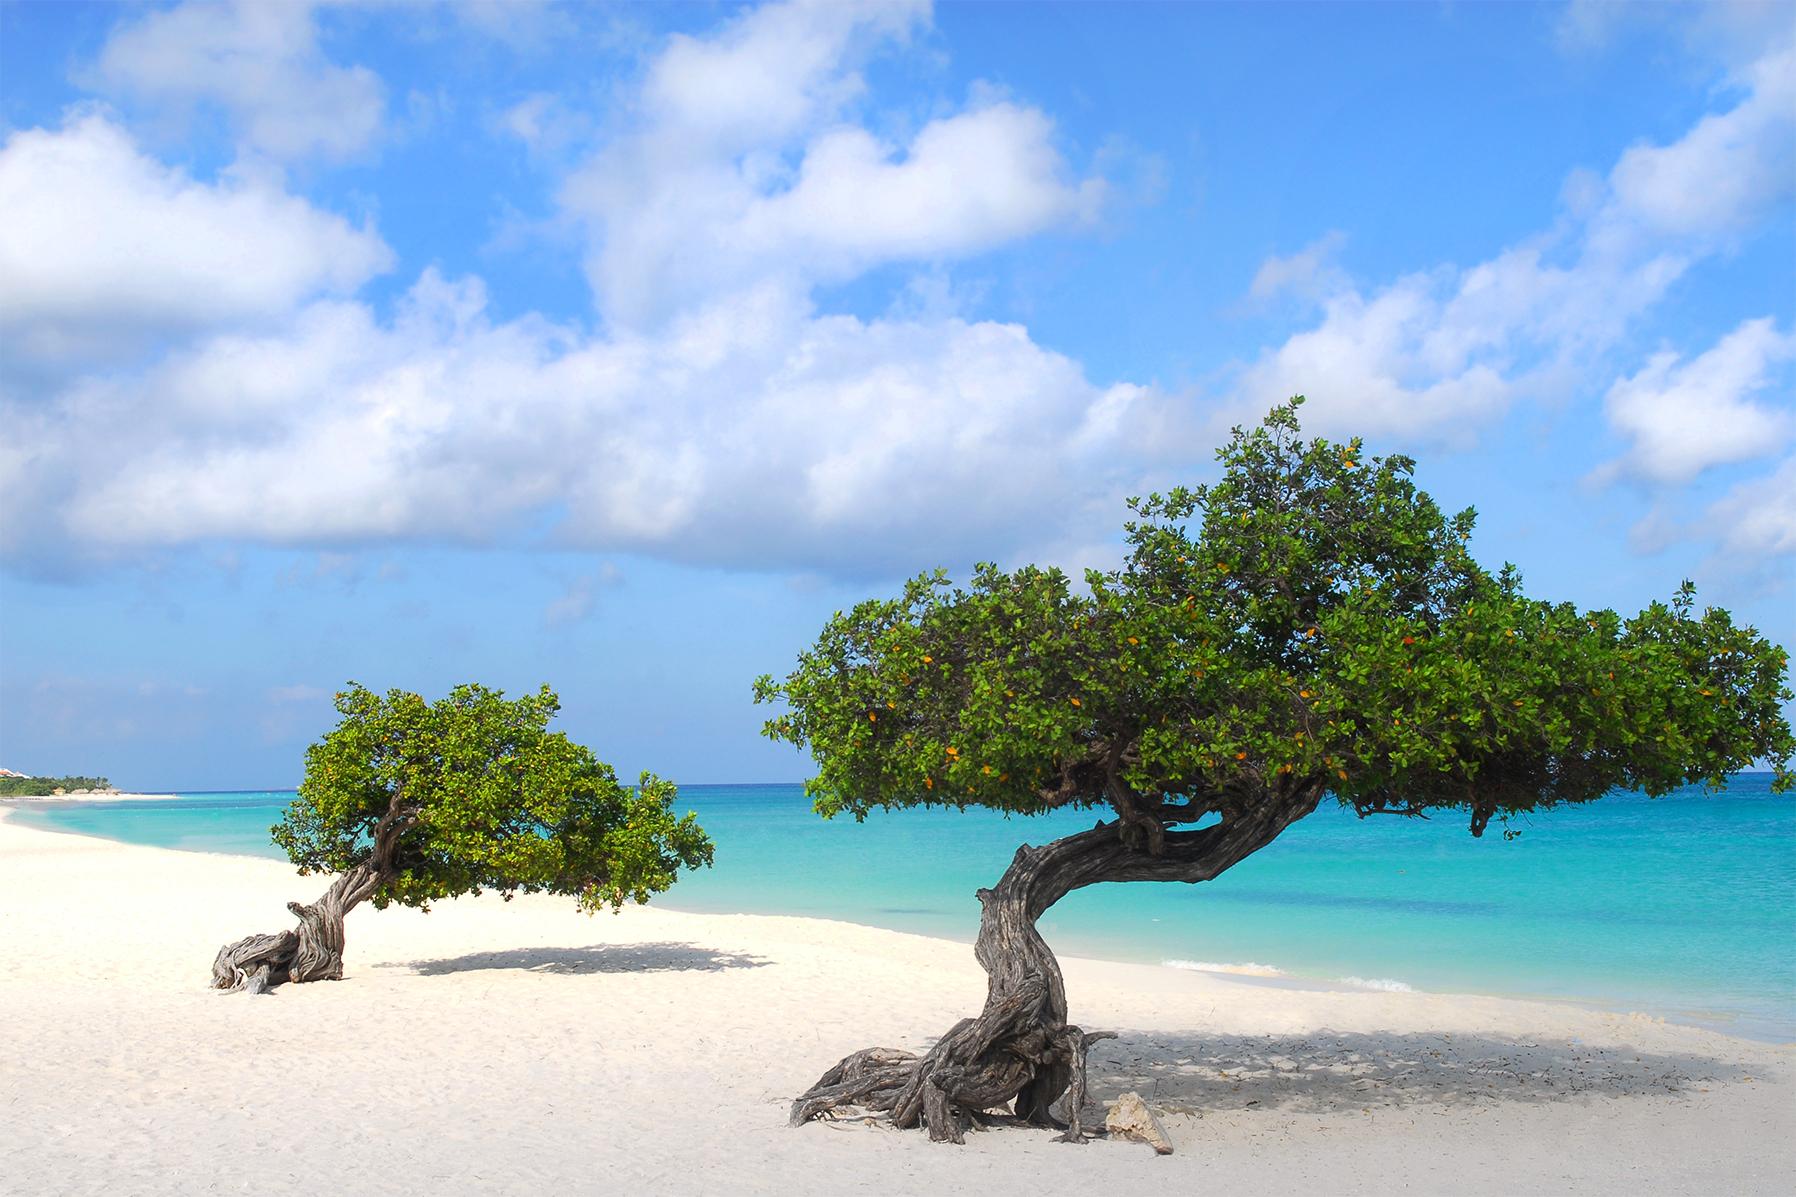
1683,906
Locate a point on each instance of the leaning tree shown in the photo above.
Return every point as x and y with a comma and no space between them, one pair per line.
411,801
1311,625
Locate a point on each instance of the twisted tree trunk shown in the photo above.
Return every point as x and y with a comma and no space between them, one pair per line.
313,951
1021,1051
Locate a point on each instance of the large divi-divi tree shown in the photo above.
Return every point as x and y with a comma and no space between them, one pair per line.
1310,626
412,802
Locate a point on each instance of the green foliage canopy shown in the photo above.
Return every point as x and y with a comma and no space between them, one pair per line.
472,792
28,787
1311,621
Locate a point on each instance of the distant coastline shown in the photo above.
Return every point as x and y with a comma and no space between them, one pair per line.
85,796
31,785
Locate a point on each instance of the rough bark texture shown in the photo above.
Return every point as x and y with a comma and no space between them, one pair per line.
313,951
1020,1051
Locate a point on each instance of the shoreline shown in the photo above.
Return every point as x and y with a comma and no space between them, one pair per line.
1251,975
660,1050
87,796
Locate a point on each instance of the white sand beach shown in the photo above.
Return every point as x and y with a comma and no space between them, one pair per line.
509,1048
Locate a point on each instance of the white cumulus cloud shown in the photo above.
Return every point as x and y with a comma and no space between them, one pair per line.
721,417
743,169
1436,355
1685,416
1727,171
1757,518
101,245
748,433
260,63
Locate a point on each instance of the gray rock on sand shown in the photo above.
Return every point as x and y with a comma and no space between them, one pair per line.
1129,1118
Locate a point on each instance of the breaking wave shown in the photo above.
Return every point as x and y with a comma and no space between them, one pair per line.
1248,969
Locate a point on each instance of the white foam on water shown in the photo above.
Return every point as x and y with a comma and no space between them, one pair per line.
1247,969
1382,984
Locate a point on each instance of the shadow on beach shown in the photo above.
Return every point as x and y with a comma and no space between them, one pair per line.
1331,1072
600,958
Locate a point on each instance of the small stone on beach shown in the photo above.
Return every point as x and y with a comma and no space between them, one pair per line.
1129,1118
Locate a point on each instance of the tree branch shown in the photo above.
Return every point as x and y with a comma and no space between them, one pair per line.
1138,823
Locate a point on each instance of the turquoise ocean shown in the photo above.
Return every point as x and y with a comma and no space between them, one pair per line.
1682,907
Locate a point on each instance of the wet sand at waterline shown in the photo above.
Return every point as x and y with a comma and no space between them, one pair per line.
524,1047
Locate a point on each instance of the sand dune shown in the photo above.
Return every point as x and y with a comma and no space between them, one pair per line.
509,1048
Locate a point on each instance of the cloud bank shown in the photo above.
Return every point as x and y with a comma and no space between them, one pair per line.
203,363
719,417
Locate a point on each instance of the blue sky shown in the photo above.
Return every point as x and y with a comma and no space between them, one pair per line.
615,347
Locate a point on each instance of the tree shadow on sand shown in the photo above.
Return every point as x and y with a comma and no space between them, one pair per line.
599,958
1330,1072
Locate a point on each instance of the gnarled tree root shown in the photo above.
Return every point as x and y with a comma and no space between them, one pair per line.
311,952
255,963
1016,1054
1005,1058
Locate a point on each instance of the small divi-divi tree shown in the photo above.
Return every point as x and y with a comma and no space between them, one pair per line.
412,802
1309,625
